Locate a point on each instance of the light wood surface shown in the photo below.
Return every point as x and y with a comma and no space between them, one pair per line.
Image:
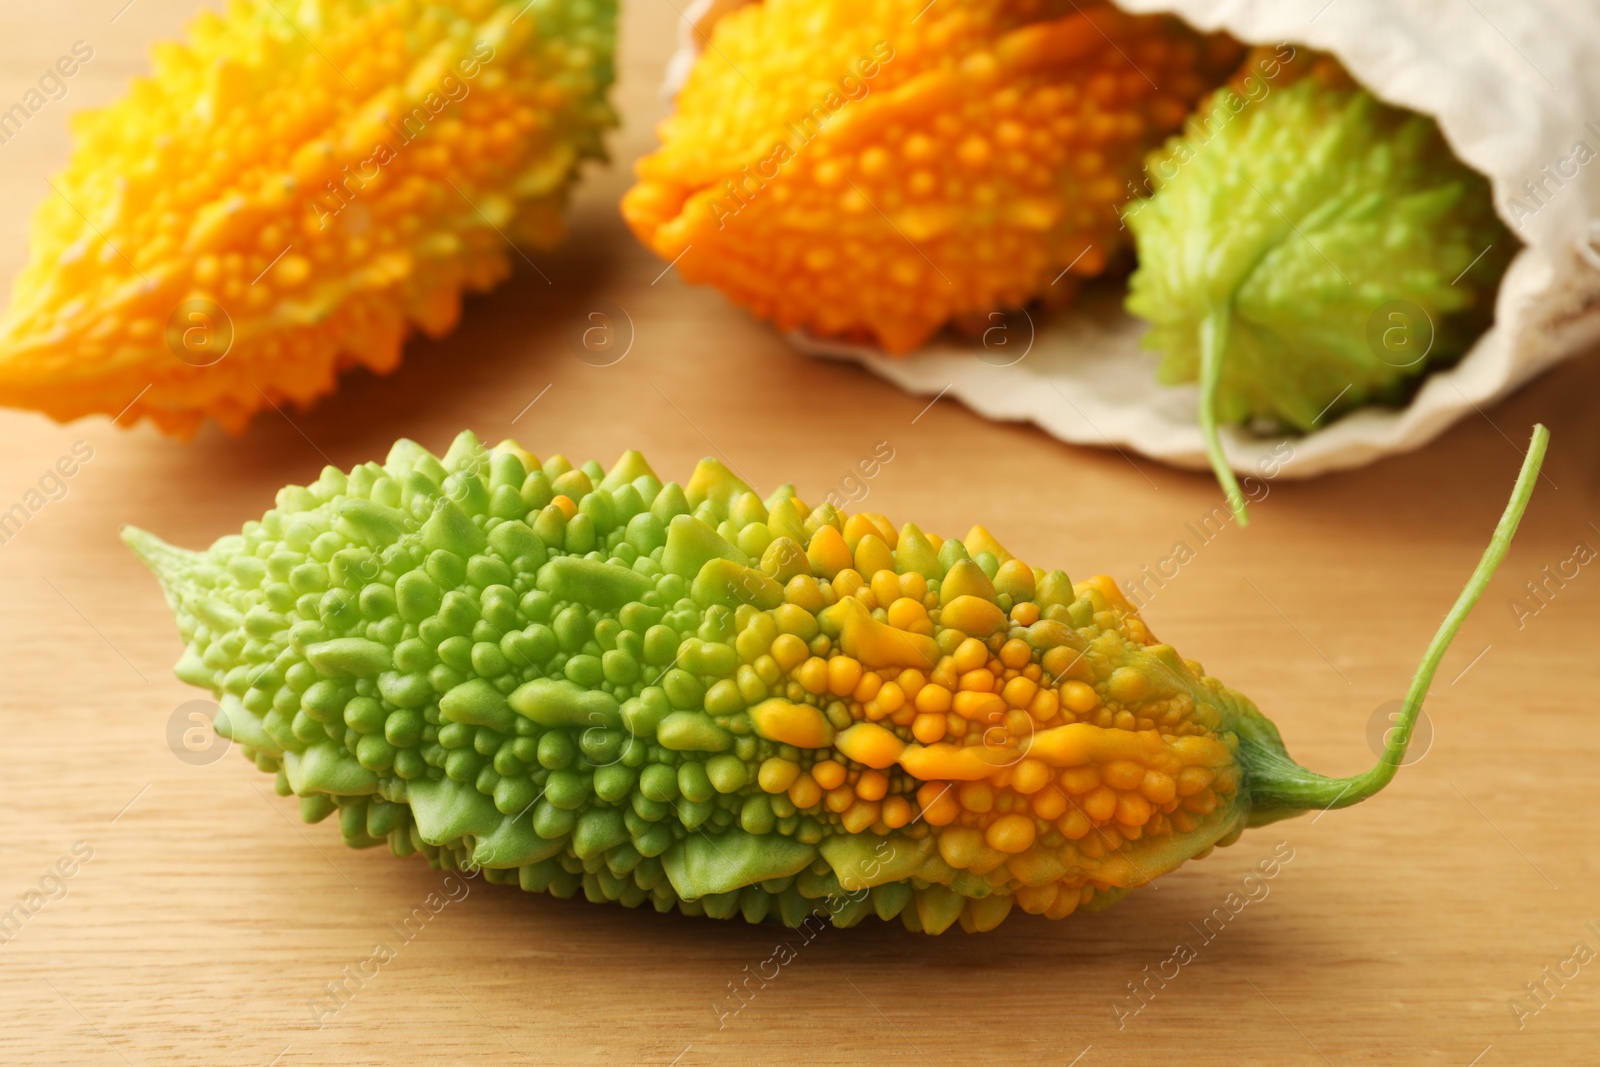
208,919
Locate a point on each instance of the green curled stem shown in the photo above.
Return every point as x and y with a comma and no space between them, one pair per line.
1281,787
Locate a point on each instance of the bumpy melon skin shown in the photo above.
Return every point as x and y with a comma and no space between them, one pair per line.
1342,245
293,190
586,680
873,169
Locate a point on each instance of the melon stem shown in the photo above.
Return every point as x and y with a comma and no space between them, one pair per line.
1213,344
1280,787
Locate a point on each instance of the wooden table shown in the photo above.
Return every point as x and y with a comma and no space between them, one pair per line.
209,921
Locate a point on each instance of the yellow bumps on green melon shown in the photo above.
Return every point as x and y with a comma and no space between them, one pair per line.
581,679
296,187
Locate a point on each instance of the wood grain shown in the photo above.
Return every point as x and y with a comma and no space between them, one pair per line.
208,920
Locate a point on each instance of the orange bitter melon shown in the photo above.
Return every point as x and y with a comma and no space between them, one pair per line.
872,169
296,187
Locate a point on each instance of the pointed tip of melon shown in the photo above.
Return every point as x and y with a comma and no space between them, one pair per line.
166,561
